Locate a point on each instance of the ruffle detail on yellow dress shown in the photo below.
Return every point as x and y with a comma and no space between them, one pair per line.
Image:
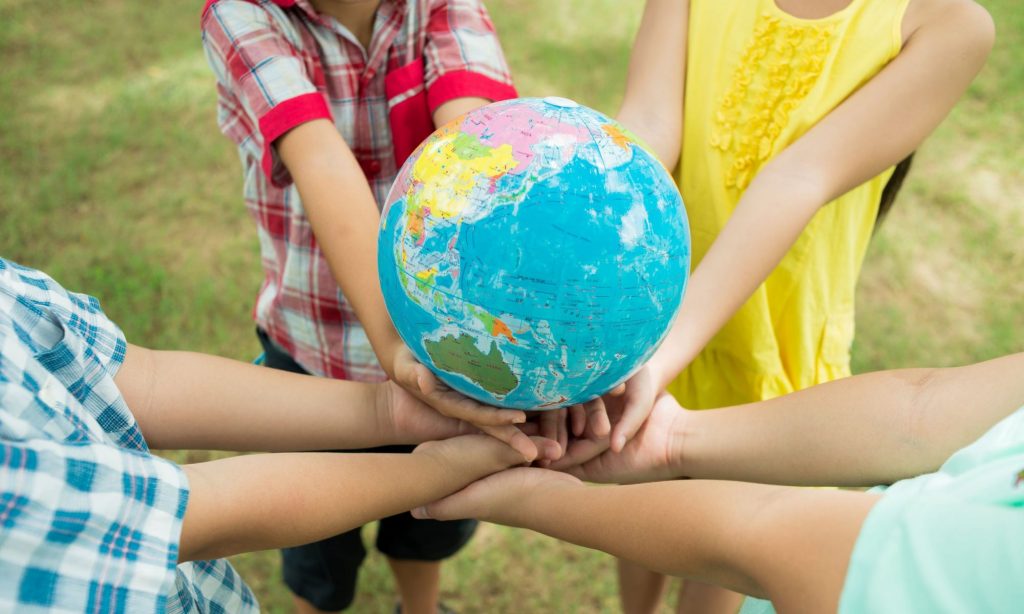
774,74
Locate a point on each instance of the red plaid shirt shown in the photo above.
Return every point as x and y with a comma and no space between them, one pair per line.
280,63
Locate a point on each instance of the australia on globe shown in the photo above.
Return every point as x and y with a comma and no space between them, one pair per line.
533,253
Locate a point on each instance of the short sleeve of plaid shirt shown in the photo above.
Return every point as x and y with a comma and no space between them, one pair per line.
462,54
89,520
262,71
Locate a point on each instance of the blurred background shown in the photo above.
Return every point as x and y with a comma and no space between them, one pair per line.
115,180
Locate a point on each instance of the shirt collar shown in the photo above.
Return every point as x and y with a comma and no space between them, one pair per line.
308,8
393,11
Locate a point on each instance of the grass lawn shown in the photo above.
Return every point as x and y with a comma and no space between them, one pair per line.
115,180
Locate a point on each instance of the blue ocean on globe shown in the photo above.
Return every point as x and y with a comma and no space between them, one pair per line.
533,253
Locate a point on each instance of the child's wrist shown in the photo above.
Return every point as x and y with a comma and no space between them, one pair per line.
445,460
685,449
656,369
535,504
381,400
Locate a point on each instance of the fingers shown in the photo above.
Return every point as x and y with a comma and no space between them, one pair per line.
517,440
552,426
547,446
498,498
530,428
598,469
591,427
413,376
638,402
548,421
425,380
452,507
578,416
563,428
632,419
455,405
547,449
597,421
579,452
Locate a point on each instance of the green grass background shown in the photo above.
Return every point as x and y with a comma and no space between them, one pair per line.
115,180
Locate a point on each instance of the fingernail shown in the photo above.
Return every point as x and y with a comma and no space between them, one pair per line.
620,442
420,512
519,420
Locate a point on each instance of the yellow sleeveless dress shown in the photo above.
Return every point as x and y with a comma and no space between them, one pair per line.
757,79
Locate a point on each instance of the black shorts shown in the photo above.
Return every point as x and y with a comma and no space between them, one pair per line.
325,572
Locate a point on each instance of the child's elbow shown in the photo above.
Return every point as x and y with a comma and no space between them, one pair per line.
975,27
805,183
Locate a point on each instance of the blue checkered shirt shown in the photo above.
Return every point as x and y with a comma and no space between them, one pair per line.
89,519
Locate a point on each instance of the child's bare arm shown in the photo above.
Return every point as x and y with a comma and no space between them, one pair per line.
268,501
652,107
870,429
653,103
185,400
726,533
876,127
343,213
875,428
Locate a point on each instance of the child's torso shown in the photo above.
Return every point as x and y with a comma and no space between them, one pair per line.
757,79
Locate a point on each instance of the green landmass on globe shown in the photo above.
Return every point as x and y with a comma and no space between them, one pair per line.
460,355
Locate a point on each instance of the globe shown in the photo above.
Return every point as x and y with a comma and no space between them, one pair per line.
533,253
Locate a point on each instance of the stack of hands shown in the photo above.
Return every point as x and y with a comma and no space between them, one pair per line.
627,436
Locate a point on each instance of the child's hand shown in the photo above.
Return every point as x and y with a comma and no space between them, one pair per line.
500,497
471,457
551,424
590,418
637,394
583,419
404,419
498,423
654,454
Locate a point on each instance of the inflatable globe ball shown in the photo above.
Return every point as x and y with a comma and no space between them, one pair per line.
533,253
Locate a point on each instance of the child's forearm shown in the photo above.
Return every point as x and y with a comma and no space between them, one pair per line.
674,528
869,429
653,103
185,400
726,533
266,501
344,216
768,219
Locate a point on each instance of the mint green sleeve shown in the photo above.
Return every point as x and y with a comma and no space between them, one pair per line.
932,553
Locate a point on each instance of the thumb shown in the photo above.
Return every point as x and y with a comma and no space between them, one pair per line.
453,507
426,383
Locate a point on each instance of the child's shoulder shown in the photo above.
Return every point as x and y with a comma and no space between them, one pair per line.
235,20
967,17
255,10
